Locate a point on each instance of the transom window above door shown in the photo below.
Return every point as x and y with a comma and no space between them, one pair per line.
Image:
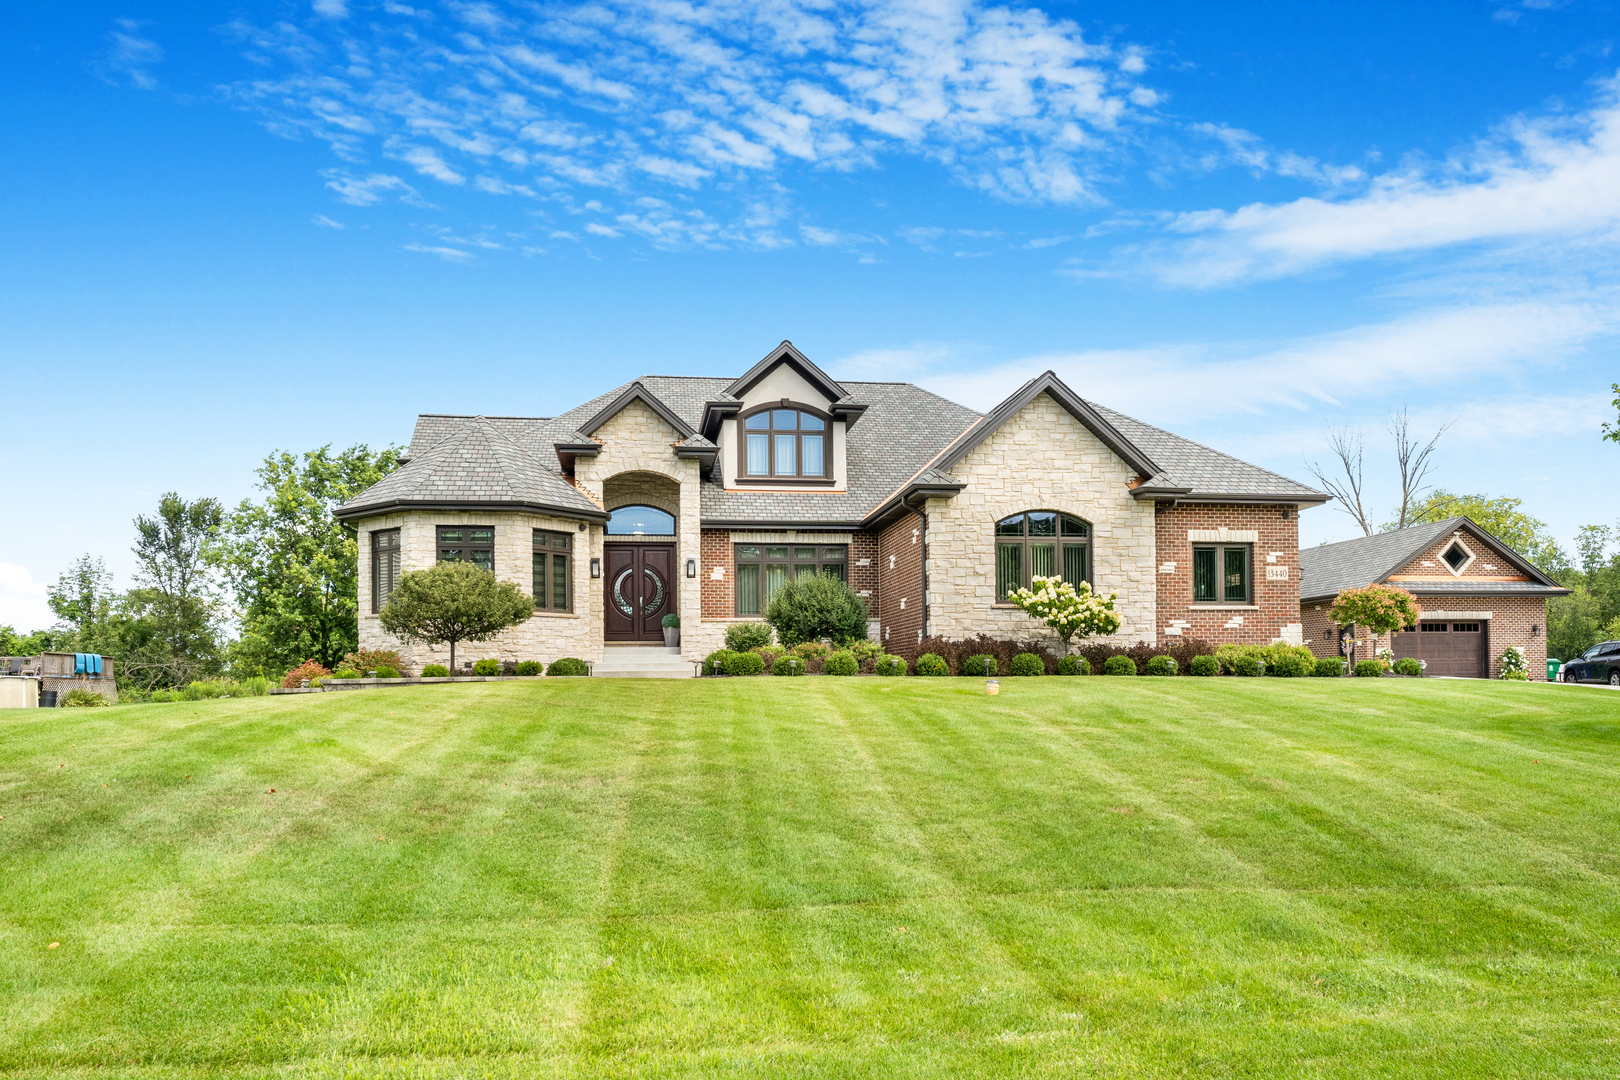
1040,543
640,521
468,543
786,444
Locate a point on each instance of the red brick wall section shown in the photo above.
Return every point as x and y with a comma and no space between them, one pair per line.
900,591
718,597
864,579
1487,565
1510,623
1277,601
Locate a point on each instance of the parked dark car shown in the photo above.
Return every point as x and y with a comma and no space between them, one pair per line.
1600,663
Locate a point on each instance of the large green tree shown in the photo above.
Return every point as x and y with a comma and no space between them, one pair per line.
292,564
83,597
1611,432
1501,517
176,601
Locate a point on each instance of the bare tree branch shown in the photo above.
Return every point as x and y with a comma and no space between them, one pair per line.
1414,460
1346,446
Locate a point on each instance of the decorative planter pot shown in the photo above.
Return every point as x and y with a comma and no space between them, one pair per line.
672,636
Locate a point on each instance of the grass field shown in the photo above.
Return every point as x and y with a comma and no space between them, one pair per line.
818,877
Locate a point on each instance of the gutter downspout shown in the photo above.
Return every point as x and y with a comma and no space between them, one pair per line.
922,540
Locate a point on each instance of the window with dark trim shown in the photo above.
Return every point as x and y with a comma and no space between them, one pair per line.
1221,573
1433,627
468,543
552,591
1041,543
784,443
761,569
384,566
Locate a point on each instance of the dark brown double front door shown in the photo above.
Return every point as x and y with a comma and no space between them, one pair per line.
640,590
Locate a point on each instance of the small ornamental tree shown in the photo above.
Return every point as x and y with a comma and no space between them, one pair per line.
814,607
1382,609
453,602
1070,611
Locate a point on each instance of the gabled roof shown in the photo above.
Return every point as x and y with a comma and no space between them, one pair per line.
785,353
476,466
1350,564
1048,383
637,391
1193,472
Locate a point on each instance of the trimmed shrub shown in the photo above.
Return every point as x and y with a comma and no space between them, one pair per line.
1204,665
1408,665
1161,665
743,663
487,667
1248,666
1026,664
1073,665
1180,649
769,656
889,665
983,665
364,660
1119,665
670,622
715,662
435,671
1369,669
790,665
932,664
817,606
866,650
810,650
80,698
530,667
842,662
1328,667
162,695
345,673
568,665
309,669
386,672
257,686
1288,666
740,637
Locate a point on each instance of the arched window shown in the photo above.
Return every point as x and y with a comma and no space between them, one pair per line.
640,521
1041,543
785,443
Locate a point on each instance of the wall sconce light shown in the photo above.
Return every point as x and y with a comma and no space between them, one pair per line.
582,526
596,568
691,568
1534,629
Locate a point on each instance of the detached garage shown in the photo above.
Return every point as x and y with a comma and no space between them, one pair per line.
1477,596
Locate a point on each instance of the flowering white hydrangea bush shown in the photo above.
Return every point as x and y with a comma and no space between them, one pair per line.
1072,612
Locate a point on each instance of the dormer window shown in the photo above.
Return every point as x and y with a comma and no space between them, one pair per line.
784,443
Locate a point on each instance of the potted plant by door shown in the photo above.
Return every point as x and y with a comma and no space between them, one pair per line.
672,631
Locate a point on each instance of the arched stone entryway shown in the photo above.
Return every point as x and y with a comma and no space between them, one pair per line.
640,562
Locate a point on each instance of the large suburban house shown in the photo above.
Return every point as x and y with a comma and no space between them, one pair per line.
1478,597
700,496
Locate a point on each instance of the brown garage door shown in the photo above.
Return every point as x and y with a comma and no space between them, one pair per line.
1449,648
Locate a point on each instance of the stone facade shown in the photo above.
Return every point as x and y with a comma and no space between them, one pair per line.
1274,542
1042,458
545,637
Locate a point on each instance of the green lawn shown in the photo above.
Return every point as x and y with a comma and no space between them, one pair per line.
818,877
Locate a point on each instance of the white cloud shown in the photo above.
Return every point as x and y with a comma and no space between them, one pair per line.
128,55
331,9
368,191
1171,383
448,254
326,222
713,95
1537,179
22,600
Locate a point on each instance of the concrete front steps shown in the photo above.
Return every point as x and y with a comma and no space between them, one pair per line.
641,662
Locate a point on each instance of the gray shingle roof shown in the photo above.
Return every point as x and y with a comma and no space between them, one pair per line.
1186,464
1350,564
476,463
903,431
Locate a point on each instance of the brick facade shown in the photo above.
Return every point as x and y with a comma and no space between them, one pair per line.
1274,543
719,598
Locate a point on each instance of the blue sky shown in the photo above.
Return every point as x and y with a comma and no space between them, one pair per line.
231,229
